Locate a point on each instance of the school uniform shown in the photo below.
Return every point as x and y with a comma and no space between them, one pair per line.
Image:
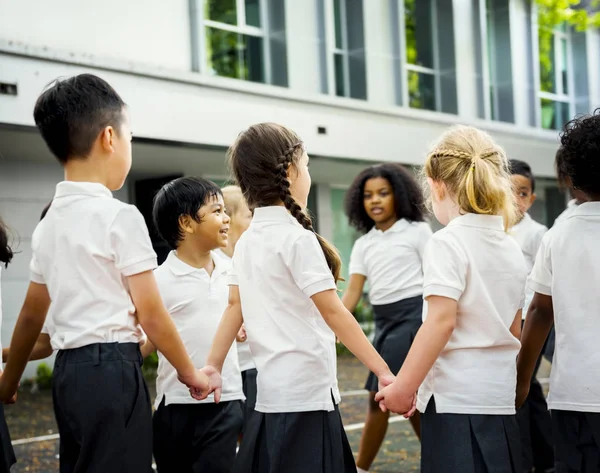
248,369
533,417
7,454
567,268
468,397
392,262
296,427
83,251
190,435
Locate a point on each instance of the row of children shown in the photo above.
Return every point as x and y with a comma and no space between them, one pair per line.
93,259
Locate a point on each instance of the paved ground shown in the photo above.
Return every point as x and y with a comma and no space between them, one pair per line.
32,416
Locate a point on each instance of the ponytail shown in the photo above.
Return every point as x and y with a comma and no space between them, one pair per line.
6,253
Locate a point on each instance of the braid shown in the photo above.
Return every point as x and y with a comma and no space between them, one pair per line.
281,178
452,153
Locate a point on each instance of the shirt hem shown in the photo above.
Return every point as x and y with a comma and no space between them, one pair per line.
569,406
475,410
442,290
540,288
190,400
148,263
274,409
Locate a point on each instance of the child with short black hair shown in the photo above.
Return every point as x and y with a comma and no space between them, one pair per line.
7,454
283,289
462,361
533,417
93,258
190,435
385,202
566,278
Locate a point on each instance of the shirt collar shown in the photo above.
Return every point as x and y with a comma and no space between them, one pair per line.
181,268
397,227
493,222
587,209
69,188
524,222
274,213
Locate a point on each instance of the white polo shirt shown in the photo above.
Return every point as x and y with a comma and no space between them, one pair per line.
196,302
278,266
392,261
83,250
243,348
528,234
475,262
567,268
571,207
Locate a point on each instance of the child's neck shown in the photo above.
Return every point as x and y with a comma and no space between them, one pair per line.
86,170
385,226
228,250
197,258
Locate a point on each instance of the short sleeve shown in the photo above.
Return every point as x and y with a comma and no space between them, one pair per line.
130,243
308,265
232,275
357,259
444,269
536,240
540,279
35,271
424,235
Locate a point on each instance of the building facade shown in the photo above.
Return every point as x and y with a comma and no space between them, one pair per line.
362,81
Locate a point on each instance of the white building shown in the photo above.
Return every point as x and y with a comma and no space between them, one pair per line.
362,81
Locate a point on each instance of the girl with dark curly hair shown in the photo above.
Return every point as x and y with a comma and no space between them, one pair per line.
386,203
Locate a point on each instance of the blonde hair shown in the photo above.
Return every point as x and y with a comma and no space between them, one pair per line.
233,197
475,171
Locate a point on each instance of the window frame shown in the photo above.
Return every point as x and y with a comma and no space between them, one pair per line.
241,28
333,50
407,68
564,98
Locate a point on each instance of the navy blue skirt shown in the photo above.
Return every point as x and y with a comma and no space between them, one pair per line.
295,442
7,454
396,326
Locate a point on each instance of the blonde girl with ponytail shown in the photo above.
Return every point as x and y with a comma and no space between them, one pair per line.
463,359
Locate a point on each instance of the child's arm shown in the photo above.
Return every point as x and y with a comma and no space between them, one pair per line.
27,330
230,325
42,349
539,321
431,339
515,328
345,326
147,349
354,291
160,329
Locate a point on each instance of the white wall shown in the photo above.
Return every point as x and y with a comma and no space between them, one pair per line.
25,189
213,111
143,31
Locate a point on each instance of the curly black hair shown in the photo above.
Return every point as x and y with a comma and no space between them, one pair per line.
408,195
578,159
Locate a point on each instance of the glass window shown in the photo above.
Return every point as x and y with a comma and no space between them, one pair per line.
421,87
222,11
344,235
253,13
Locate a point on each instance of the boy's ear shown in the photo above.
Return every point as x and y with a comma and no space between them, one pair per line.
185,223
106,138
532,199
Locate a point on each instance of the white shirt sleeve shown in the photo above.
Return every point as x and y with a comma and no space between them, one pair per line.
130,243
308,265
444,270
424,235
540,279
357,259
536,240
232,275
35,271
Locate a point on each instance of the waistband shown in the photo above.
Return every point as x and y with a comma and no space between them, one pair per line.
97,352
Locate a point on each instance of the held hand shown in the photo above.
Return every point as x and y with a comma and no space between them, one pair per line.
198,384
215,384
242,336
522,393
393,398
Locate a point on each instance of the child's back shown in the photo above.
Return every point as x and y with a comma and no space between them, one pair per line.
478,360
85,245
279,266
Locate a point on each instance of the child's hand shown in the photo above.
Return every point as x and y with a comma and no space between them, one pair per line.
393,398
8,394
197,382
522,393
242,336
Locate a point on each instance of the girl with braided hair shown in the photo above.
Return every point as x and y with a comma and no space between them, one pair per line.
385,202
283,289
463,360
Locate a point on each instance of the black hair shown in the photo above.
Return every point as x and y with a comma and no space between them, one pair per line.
72,112
408,196
521,168
180,197
579,156
6,253
45,210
